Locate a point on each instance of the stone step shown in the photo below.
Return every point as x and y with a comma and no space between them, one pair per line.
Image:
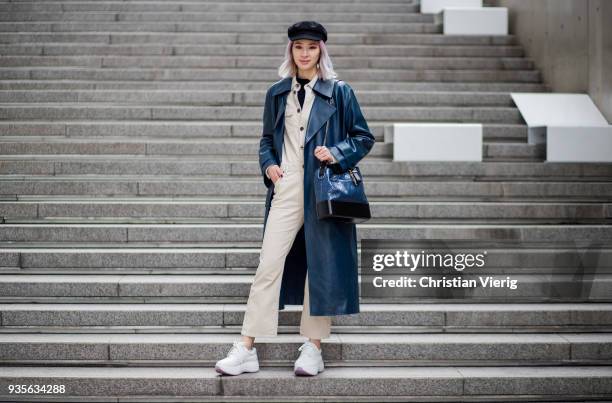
339,350
261,86
249,98
548,286
322,8
190,130
228,318
253,16
211,146
235,27
513,151
37,39
242,258
180,2
341,384
151,131
256,61
496,189
246,73
175,5
239,167
142,209
114,111
259,49
151,146
153,5
230,230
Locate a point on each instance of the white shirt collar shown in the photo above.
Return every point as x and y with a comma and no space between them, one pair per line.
310,84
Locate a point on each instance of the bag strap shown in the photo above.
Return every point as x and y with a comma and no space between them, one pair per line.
352,171
323,164
331,102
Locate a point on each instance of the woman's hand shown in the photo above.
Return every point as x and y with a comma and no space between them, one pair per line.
323,154
274,172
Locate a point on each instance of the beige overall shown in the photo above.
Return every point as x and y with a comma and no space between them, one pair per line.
285,218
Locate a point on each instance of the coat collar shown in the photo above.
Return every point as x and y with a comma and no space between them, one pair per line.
322,107
310,84
323,87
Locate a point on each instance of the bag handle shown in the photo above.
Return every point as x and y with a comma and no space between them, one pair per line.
355,176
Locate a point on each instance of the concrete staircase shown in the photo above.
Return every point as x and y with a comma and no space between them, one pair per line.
132,209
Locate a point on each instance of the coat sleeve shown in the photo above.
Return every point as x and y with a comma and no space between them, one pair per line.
359,140
267,155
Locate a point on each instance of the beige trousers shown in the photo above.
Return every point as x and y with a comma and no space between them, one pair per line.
285,218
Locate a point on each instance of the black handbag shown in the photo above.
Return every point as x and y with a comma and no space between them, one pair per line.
340,196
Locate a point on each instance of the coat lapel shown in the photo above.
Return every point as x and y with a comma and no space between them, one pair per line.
322,107
319,114
281,109
281,89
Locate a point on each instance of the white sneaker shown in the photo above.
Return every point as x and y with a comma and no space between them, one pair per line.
310,361
239,359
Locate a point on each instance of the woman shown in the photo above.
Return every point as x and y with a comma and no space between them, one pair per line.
297,111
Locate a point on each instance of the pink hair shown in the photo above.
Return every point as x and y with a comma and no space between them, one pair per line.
326,68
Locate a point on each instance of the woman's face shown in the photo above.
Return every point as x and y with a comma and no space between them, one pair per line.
305,53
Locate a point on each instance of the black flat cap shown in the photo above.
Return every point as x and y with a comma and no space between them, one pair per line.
307,30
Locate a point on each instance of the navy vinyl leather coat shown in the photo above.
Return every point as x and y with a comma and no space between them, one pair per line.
327,249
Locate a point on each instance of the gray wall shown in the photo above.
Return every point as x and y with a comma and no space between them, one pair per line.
570,43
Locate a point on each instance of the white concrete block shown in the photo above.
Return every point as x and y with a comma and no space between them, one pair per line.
475,21
436,141
435,6
541,110
579,144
